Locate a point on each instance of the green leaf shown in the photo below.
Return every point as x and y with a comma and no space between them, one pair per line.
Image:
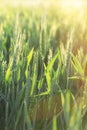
29,58
27,119
19,114
51,63
8,73
34,80
54,123
48,78
40,83
18,74
66,105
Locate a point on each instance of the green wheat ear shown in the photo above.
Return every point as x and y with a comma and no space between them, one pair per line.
68,56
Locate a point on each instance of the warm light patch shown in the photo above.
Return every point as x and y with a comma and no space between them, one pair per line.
72,4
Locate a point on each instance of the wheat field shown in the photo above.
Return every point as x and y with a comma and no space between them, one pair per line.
43,67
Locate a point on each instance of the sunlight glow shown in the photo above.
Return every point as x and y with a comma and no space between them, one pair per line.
72,4
66,4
